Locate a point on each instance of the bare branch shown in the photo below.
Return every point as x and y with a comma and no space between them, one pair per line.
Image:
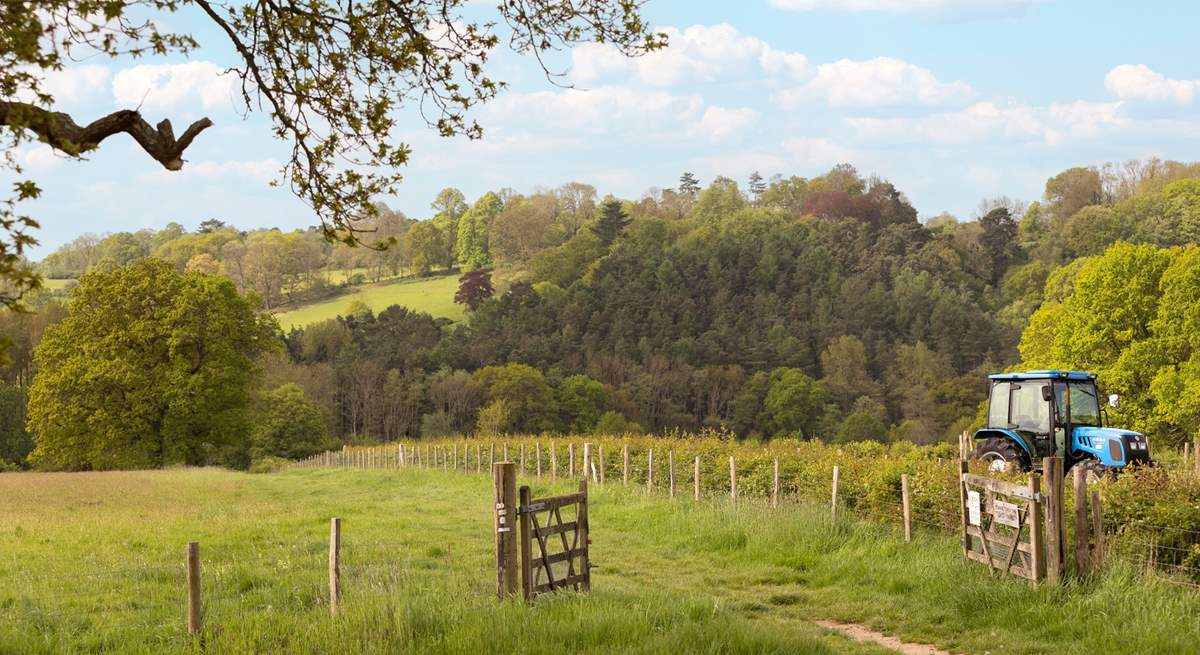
62,133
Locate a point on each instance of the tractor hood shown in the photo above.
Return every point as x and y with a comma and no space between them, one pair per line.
1112,446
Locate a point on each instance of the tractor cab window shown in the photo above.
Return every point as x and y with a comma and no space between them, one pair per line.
1028,411
998,406
1085,406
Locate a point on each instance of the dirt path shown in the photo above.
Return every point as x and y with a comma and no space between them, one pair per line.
862,633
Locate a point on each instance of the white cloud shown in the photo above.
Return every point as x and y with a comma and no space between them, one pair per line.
905,6
700,53
605,109
882,81
1140,82
74,83
165,86
256,171
41,158
803,155
985,121
718,123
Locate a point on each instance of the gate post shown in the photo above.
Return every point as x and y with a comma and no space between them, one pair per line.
1052,469
526,547
1037,535
504,476
585,538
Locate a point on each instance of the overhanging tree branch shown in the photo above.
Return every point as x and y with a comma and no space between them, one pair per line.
62,133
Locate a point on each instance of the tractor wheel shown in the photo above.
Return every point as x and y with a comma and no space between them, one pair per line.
1001,454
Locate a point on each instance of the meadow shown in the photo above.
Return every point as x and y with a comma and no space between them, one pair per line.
432,295
93,562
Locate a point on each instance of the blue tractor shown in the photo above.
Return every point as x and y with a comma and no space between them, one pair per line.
1054,414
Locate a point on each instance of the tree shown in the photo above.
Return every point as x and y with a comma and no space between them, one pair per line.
210,225
611,222
844,363
450,204
288,425
794,402
149,368
999,240
530,405
331,75
474,287
582,401
15,443
471,245
426,247
689,185
757,186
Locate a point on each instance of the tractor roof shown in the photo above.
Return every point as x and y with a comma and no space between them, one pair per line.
1043,375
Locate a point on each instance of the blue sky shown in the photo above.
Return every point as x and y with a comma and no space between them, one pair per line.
952,100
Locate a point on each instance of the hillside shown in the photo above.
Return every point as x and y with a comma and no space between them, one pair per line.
432,295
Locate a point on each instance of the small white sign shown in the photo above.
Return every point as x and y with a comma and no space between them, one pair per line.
1006,513
973,507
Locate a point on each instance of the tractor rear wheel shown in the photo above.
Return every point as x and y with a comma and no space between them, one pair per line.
1001,454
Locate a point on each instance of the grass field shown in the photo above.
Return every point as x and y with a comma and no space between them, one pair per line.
93,562
56,285
434,295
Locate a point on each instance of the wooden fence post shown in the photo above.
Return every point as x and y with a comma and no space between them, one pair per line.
1052,470
1081,522
650,471
522,457
553,461
906,505
775,486
696,479
193,587
571,460
625,465
1098,530
526,547
492,454
478,458
335,570
537,456
963,517
585,533
587,461
455,454
603,464
833,502
1037,534
671,472
504,477
506,451
732,478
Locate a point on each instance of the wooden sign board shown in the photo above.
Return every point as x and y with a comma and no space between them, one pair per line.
1006,513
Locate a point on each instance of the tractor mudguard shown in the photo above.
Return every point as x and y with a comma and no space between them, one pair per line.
987,433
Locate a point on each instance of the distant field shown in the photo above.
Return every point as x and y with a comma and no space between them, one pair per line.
93,562
56,285
434,295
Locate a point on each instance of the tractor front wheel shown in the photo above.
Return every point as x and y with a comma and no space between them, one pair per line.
1001,454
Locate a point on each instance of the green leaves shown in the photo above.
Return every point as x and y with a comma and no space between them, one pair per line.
149,368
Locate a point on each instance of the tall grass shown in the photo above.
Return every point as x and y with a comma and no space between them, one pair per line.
93,563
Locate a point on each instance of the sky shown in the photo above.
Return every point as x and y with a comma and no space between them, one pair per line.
953,101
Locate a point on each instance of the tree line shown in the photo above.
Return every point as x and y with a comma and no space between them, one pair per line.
811,307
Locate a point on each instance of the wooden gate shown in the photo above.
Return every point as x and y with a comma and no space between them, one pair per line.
1002,524
554,550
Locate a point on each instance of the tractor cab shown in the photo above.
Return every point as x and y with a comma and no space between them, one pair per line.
1040,414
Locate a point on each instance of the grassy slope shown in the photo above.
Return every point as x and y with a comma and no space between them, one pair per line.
93,562
434,295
